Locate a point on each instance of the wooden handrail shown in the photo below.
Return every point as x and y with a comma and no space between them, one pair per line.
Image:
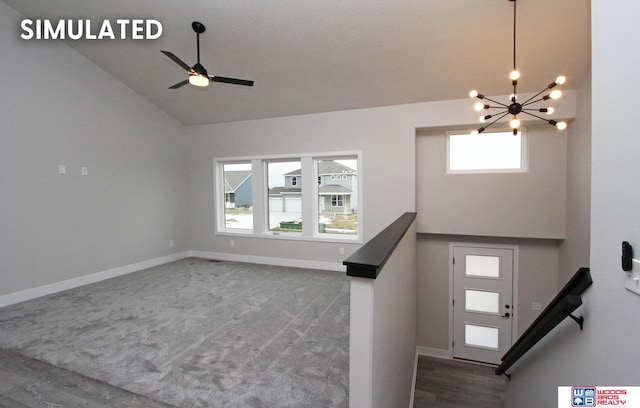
561,307
369,259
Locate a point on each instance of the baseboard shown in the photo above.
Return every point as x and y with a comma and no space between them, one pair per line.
28,294
433,352
267,260
33,293
413,381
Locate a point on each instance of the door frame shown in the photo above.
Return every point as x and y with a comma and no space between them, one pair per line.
516,305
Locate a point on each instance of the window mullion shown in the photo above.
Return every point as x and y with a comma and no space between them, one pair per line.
309,186
259,191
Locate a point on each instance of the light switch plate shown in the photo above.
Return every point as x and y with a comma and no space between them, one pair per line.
632,282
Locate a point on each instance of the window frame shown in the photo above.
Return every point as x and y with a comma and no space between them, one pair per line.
221,211
307,182
524,153
338,199
294,183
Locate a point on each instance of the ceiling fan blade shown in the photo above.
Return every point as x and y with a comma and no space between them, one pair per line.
179,84
234,81
177,60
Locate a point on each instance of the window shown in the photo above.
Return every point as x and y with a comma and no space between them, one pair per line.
238,200
338,199
301,197
488,152
285,196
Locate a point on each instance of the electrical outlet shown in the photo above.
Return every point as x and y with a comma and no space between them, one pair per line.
536,306
232,242
62,169
170,243
341,251
84,170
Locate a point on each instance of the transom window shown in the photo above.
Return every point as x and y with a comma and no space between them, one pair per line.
487,152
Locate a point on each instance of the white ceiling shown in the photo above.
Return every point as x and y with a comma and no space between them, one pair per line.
309,56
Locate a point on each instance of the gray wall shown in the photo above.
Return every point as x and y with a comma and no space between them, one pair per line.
574,251
387,172
524,209
527,205
387,139
394,326
59,108
537,271
604,353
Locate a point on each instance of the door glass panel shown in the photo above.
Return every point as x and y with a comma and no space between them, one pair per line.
481,301
481,336
481,265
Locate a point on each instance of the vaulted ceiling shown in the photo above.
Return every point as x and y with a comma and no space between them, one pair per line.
310,56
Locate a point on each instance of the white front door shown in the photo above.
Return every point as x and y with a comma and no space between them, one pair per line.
482,302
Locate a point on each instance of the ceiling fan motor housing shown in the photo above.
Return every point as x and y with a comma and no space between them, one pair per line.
198,27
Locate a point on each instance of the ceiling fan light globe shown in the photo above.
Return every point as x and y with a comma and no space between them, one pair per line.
198,80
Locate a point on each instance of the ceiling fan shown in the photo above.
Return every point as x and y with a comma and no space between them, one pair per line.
198,74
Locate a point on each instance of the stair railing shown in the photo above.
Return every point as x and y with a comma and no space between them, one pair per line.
561,307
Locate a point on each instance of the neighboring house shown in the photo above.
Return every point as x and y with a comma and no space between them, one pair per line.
337,187
237,189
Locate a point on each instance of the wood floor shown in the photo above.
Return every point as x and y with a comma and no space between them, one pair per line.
25,382
442,383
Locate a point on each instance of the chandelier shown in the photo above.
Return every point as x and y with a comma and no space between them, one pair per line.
516,108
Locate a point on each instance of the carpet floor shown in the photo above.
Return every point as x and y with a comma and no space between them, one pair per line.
196,333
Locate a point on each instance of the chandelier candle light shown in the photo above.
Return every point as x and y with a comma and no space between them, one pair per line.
516,108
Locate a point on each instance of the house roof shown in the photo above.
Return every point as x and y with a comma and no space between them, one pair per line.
284,190
327,167
234,179
333,189
323,190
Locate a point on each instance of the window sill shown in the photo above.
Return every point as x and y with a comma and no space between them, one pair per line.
288,236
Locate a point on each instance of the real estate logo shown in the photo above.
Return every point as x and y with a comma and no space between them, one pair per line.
583,396
598,396
120,29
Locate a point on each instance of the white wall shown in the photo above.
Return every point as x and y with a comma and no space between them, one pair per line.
527,205
59,108
604,353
